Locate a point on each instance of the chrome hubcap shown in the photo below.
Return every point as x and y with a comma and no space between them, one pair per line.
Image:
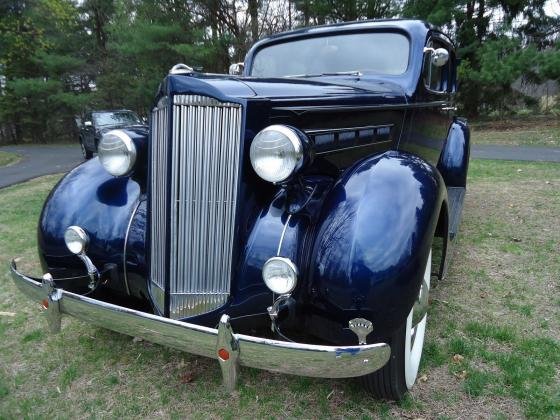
416,328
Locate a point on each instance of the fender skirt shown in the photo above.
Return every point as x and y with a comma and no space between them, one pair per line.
373,241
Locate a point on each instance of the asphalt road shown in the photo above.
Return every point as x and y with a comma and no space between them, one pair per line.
51,159
539,154
38,160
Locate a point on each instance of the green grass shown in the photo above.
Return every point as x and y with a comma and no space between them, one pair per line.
514,171
7,158
491,351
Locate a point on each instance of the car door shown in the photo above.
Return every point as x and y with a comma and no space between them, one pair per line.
433,108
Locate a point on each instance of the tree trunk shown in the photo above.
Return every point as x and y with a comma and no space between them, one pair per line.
253,6
480,21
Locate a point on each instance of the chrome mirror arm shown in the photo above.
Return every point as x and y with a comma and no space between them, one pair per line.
92,270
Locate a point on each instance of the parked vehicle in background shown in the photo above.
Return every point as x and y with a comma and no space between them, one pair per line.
288,218
97,123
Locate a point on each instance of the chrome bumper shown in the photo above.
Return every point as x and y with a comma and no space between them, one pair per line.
229,348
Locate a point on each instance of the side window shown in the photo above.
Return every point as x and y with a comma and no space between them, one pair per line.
436,79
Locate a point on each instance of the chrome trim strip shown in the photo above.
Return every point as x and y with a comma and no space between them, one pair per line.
314,132
330,152
125,275
282,235
257,352
344,108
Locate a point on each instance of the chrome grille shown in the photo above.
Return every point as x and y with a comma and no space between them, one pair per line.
204,147
158,188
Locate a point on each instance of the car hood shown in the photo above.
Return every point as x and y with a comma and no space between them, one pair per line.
137,127
318,86
292,91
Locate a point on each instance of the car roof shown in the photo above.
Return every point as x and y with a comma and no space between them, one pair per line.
414,27
404,24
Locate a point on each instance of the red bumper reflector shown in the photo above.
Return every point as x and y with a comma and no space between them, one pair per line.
45,303
223,354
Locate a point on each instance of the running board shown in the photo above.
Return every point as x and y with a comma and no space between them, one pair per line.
456,196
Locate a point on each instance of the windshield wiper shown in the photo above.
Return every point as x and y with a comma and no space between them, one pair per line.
336,73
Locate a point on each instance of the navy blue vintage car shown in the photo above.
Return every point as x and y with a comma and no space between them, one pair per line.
289,217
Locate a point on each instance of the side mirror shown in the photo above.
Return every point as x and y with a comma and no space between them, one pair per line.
88,124
236,69
439,57
145,120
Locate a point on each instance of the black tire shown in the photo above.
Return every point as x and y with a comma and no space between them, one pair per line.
85,153
389,382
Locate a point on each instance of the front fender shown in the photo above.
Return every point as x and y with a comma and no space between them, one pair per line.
101,204
373,241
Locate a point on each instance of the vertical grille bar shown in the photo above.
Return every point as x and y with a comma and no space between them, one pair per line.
204,149
158,188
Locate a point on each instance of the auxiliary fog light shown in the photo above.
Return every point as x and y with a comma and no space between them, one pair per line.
76,239
280,275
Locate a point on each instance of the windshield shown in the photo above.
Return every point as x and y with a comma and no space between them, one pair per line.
115,118
382,53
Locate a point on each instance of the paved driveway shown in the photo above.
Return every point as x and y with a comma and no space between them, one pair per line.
38,160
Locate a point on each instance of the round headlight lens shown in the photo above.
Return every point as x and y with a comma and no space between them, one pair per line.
76,239
117,152
280,275
276,153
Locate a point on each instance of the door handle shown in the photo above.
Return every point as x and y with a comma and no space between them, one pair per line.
449,108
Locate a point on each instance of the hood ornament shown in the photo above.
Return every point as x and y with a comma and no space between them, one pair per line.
181,69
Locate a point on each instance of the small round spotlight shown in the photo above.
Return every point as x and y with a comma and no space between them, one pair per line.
280,275
76,239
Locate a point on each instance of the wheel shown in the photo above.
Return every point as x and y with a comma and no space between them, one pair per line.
397,377
85,153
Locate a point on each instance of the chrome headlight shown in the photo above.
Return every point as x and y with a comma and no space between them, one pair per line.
76,239
280,275
276,153
117,152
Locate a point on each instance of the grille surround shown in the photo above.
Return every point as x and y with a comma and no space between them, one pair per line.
195,164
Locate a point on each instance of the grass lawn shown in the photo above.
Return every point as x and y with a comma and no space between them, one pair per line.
541,131
7,158
492,350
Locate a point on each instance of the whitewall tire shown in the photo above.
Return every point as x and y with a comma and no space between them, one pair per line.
397,377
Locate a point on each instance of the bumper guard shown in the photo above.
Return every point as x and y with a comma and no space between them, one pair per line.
231,349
